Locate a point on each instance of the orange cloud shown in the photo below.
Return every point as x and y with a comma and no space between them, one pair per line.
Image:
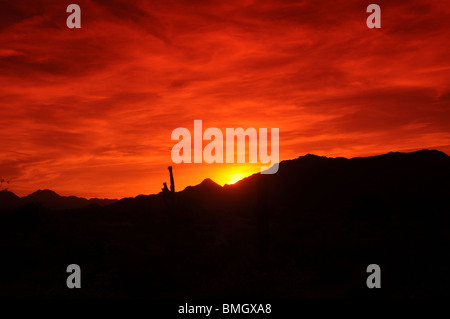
90,111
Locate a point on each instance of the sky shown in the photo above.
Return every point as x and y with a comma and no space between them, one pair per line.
90,111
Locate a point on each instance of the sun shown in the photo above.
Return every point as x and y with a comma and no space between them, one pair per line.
236,178
232,173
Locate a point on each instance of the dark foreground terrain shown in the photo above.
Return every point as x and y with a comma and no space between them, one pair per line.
309,231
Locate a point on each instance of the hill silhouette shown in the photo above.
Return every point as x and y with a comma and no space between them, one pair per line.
49,200
308,231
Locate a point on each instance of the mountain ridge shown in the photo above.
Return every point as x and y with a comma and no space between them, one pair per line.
53,201
308,231
50,200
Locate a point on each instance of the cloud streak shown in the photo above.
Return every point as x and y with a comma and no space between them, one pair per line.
90,111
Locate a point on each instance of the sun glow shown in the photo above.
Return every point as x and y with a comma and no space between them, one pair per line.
236,178
233,173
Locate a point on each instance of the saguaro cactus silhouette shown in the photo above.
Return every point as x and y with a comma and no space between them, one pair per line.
169,195
172,183
172,228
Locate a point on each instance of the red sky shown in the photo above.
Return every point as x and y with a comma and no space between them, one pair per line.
90,111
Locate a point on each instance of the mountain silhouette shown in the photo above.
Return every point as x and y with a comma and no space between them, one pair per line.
308,231
49,200
9,200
